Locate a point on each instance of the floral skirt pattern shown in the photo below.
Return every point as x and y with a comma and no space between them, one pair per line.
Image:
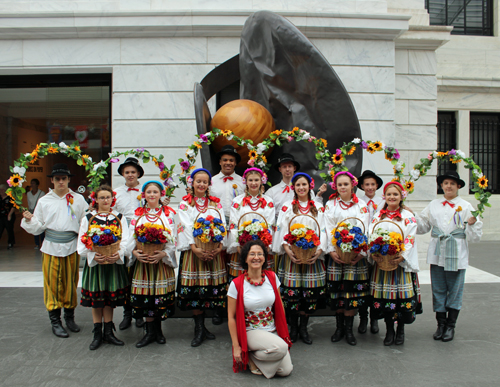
302,286
234,269
104,285
348,286
396,294
201,284
153,290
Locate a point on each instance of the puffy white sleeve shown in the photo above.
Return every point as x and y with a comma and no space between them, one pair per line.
185,228
424,220
36,225
232,234
131,243
330,224
170,259
281,230
474,232
410,254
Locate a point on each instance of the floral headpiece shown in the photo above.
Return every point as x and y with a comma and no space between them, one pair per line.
190,179
353,178
302,174
404,192
159,184
260,171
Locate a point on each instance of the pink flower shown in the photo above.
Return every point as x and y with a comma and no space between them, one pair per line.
251,162
429,156
114,160
338,152
290,138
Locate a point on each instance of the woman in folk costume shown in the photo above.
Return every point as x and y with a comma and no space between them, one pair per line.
452,227
396,294
241,211
256,318
105,278
153,282
202,282
348,284
303,284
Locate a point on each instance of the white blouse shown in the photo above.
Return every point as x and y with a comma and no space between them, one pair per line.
373,205
280,195
225,191
127,201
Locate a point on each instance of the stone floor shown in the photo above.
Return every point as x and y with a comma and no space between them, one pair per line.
31,356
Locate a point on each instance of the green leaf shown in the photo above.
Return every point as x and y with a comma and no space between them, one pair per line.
477,195
278,142
318,156
320,165
145,159
323,175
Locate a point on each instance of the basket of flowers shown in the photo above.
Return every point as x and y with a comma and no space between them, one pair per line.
253,229
208,231
386,245
152,237
103,239
303,240
349,240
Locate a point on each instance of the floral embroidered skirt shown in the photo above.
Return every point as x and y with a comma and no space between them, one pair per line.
234,268
104,285
348,286
396,294
153,290
302,286
201,284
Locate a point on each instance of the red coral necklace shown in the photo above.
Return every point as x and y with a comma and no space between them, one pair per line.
255,283
204,206
155,211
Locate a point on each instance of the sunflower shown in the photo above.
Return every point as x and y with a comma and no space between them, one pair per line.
34,156
442,154
409,186
482,182
252,154
388,157
323,141
371,149
77,148
164,175
264,159
15,180
338,159
197,144
10,194
396,179
226,133
377,145
351,151
52,150
455,160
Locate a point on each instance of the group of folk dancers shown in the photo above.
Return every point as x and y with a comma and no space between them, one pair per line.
146,286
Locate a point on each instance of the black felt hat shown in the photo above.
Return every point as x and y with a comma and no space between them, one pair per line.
450,175
131,161
286,158
60,169
371,174
229,150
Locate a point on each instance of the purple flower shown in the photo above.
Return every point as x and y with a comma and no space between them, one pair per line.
203,138
139,150
185,165
338,152
393,306
396,155
364,145
453,152
115,160
161,165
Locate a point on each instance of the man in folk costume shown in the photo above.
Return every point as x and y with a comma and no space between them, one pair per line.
369,182
452,226
58,214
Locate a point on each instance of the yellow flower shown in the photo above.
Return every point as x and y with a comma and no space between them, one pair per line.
387,157
455,160
197,144
235,186
482,182
351,151
246,223
252,154
77,148
459,208
442,154
338,159
371,148
355,303
52,150
296,226
408,305
409,186
164,175
377,145
15,180
324,142
277,132
226,133
197,225
295,129
34,156
396,179
264,159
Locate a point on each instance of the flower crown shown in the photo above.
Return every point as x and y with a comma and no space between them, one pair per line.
263,175
353,178
404,192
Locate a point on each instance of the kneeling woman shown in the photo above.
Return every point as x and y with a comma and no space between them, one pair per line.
105,278
256,317
396,294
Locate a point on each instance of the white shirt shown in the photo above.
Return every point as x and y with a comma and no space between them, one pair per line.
258,301
33,199
435,214
279,197
127,201
225,191
86,253
52,212
373,205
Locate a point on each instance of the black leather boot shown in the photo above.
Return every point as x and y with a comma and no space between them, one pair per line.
160,339
97,340
349,337
449,330
400,334
139,323
127,319
340,331
149,337
217,317
389,334
363,319
304,335
294,327
55,321
109,336
373,321
69,318
199,331
441,320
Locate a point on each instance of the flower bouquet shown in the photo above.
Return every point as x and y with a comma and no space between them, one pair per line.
103,239
348,240
302,240
152,237
254,229
386,245
208,232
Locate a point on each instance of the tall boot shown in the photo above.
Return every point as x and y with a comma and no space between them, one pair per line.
160,339
97,340
400,334
139,322
294,327
199,331
217,318
349,337
127,319
69,318
449,330
55,321
340,331
373,321
441,320
149,337
304,335
363,319
389,334
109,336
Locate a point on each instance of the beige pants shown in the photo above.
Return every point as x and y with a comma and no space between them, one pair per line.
269,352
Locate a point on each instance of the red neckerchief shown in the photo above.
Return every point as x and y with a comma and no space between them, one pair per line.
447,202
214,199
287,189
167,209
188,198
391,214
261,202
133,189
333,196
241,330
226,178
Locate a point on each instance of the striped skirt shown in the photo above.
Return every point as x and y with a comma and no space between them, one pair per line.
201,284
153,290
104,285
396,294
348,286
302,286
234,268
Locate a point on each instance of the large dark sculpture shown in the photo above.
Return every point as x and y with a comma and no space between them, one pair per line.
280,69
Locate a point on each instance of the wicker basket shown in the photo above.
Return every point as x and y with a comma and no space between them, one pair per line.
303,255
149,248
253,213
207,246
344,256
386,263
111,249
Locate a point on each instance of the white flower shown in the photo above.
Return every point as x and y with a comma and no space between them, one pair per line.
190,153
206,231
89,158
386,238
461,154
261,164
250,147
99,165
261,148
230,137
306,136
398,166
63,145
415,173
216,231
476,174
27,154
345,247
356,140
19,170
434,154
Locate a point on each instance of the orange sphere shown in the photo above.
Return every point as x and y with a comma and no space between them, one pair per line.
246,119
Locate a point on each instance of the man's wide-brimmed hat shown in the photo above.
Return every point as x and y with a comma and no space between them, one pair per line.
229,150
60,169
131,161
369,174
450,175
287,158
